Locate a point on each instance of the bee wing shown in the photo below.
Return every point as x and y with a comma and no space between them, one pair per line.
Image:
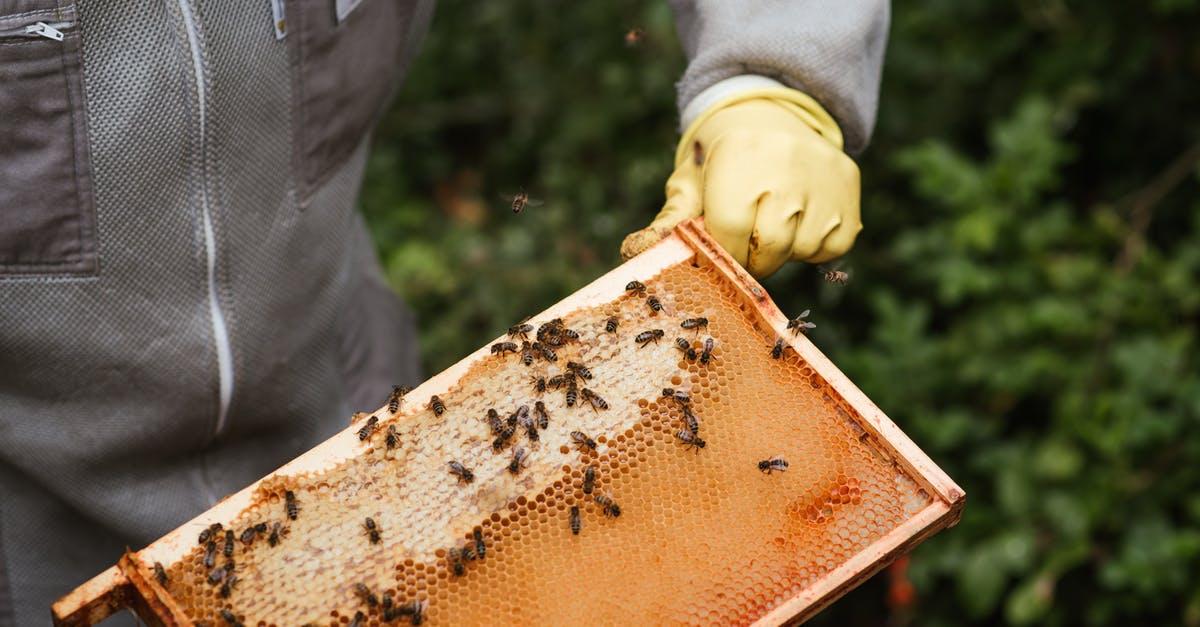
533,202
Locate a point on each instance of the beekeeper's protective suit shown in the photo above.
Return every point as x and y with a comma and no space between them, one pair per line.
188,297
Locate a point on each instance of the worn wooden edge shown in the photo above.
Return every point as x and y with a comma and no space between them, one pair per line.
862,566
878,426
97,599
151,602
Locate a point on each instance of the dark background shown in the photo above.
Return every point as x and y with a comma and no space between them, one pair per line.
1024,298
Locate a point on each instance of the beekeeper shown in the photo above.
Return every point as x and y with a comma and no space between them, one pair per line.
188,297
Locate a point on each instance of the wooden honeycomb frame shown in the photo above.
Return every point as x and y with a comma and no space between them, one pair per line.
130,583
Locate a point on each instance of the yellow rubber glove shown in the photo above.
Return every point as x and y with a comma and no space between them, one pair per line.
765,168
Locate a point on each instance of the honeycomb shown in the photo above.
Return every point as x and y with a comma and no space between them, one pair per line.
703,536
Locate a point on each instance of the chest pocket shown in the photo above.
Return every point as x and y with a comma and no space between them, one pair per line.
344,75
47,215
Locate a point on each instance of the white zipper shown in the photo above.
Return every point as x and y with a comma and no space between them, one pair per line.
53,30
220,330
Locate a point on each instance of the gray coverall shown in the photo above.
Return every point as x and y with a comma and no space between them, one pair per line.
188,297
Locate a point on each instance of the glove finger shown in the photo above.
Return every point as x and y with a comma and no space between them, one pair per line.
731,198
831,217
683,203
770,244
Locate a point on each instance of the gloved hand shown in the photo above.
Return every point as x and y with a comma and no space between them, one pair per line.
766,170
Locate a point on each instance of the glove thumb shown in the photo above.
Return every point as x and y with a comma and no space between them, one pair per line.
683,203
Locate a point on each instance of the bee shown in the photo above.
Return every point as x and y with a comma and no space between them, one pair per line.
210,554
679,395
595,399
364,593
777,349
530,428
359,619
697,153
546,352
836,276
462,472
690,422
706,355
775,463
526,353
494,422
505,435
252,532
385,602
159,573
457,560
636,287
415,609
695,323
572,394
372,529
692,440
521,416
570,334
539,384
397,397
521,199
230,617
653,303
575,522
503,347
277,530
607,504
583,440
435,402
369,428
557,381
685,347
393,437
480,547
645,337
799,325
543,417
227,587
208,533
634,37
292,508
228,544
520,329
218,574
610,325
589,479
579,369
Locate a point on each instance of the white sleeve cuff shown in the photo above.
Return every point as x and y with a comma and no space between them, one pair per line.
721,90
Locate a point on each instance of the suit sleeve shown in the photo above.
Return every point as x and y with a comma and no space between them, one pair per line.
831,50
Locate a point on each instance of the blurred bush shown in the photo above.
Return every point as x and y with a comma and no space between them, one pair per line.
1024,299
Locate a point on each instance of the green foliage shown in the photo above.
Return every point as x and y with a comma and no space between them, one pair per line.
1025,295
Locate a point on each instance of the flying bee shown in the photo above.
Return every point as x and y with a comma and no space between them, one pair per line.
636,287
645,337
685,347
575,522
706,355
208,533
542,416
799,325
654,304
607,504
589,479
559,380
595,399
777,349
518,460
393,437
697,153
503,347
210,554
369,428
397,397
539,384
372,529
520,329
690,422
835,276
546,352
228,549
679,395
227,586
480,547
634,37
775,463
692,440
521,199
494,422
364,593
230,617
579,369
159,573
359,619
435,403
277,532
583,440
526,353
695,324
610,325
462,472
505,435
291,507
